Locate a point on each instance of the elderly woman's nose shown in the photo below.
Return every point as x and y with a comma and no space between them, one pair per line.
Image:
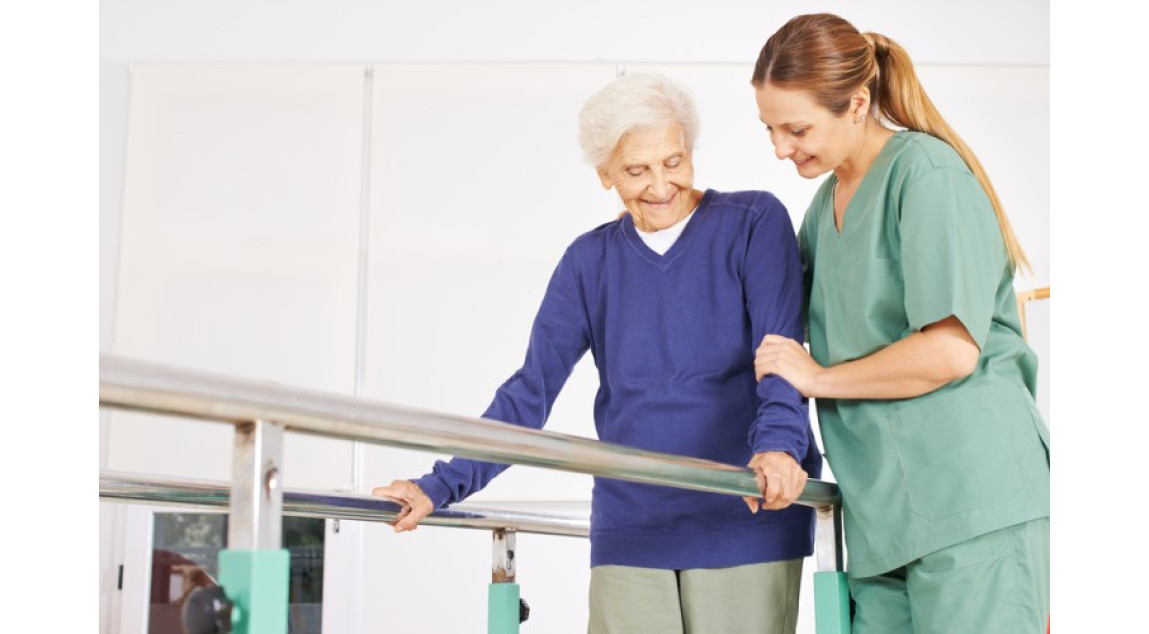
660,184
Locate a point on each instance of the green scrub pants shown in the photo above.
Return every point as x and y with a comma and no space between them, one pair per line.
752,599
994,583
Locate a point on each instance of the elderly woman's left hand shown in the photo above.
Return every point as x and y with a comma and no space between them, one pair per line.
788,359
780,480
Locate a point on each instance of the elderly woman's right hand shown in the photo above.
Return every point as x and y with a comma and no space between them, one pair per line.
416,505
780,480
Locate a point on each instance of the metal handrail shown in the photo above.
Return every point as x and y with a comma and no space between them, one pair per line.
130,487
146,386
263,412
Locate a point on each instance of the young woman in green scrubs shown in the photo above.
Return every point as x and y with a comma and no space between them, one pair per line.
923,381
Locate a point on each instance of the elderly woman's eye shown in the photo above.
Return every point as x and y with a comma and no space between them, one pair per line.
634,171
674,162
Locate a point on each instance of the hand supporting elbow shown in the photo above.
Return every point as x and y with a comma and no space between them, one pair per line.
788,359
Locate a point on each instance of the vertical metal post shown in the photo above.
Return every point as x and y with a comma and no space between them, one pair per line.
254,569
503,593
256,520
831,591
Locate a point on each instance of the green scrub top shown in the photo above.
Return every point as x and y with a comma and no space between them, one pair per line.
920,242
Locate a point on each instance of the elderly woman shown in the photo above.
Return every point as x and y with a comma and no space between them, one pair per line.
671,299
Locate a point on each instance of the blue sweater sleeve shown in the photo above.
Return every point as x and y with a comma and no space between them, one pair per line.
559,337
773,283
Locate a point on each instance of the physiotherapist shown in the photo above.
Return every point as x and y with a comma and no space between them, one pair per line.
923,381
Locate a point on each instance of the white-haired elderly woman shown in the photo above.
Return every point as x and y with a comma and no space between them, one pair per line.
671,298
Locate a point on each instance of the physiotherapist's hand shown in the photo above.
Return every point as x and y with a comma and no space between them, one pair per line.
788,359
780,480
416,505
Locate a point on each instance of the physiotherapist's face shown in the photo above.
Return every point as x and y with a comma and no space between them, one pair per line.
804,131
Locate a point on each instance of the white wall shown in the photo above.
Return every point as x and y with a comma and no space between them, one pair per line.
449,205
239,247
972,32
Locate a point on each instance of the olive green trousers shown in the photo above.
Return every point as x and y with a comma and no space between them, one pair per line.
752,599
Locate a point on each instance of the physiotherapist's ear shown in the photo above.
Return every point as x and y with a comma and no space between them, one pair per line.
860,102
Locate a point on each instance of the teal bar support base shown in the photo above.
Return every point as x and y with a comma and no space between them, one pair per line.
503,608
256,582
831,603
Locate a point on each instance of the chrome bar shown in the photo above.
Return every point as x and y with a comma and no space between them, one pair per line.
135,488
256,521
144,386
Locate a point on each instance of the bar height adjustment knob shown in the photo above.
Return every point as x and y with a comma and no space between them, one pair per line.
207,611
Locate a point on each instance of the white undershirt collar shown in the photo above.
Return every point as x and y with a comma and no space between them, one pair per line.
660,241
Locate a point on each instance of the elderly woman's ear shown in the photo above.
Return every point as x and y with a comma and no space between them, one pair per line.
604,178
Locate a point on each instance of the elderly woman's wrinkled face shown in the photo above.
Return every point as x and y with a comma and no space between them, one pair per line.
652,172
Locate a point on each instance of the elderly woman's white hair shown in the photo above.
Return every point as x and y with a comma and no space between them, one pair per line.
633,102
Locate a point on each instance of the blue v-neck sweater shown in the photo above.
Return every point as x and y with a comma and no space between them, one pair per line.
673,338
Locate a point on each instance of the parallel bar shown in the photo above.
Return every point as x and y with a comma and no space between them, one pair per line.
302,503
144,386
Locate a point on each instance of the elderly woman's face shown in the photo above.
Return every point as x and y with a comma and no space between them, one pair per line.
652,172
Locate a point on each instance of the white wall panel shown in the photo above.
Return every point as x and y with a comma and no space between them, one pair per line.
115,81
478,186
240,246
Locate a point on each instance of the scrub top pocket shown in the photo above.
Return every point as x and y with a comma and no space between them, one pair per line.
957,450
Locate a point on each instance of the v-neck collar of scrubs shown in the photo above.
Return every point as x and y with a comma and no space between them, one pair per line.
863,187
664,261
